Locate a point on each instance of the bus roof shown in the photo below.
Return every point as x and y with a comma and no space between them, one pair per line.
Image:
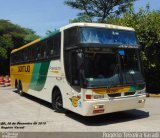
98,25
27,45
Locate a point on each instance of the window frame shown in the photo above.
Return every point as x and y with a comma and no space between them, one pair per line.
32,54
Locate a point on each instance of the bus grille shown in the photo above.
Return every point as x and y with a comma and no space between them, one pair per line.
119,94
129,93
114,95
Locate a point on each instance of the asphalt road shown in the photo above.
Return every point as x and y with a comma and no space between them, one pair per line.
29,114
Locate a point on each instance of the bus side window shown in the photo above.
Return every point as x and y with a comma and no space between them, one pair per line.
45,54
26,55
51,53
71,37
57,45
15,57
33,53
19,57
39,56
42,50
38,51
50,47
29,54
22,56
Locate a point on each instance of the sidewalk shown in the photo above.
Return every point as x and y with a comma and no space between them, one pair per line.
153,95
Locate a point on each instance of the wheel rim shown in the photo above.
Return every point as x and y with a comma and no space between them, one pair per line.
20,92
59,103
18,88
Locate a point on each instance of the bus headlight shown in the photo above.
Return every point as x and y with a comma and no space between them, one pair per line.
98,109
141,91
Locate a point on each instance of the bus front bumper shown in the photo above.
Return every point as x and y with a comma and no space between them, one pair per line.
97,107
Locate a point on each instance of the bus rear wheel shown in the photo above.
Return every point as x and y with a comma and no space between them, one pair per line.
57,102
16,84
19,89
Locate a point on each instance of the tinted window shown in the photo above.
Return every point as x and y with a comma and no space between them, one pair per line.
71,37
44,50
57,45
54,46
49,48
107,36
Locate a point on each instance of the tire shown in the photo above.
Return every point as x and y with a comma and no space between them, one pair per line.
16,87
20,90
16,84
57,102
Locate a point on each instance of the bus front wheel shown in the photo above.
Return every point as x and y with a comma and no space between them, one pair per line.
57,102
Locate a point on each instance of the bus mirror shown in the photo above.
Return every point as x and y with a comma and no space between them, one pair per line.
121,52
79,60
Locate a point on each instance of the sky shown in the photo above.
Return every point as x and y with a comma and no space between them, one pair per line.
44,15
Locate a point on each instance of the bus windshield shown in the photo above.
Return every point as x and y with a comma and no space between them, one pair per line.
111,69
102,69
107,36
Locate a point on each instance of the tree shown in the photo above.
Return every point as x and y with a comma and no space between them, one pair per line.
145,22
12,36
49,32
147,25
98,10
5,43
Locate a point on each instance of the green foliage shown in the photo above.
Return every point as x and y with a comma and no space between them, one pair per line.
30,37
147,25
83,18
3,53
5,43
98,10
12,36
49,32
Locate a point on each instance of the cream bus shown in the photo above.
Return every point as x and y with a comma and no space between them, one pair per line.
88,68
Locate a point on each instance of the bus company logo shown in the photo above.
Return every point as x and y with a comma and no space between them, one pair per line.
54,69
106,90
24,68
75,100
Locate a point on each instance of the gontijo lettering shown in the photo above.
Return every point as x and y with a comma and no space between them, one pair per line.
24,68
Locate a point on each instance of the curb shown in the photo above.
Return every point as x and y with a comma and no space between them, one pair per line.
5,85
153,95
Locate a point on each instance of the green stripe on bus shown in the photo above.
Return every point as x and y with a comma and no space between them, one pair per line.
138,87
39,75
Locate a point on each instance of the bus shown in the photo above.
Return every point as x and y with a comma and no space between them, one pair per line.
87,68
